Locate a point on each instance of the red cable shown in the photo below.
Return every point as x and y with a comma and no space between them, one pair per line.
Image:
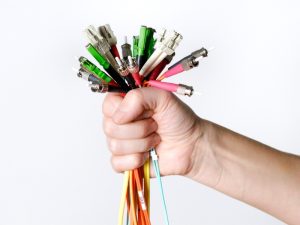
158,69
114,51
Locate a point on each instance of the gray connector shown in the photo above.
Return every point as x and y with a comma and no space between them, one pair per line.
97,40
82,73
108,34
126,49
100,88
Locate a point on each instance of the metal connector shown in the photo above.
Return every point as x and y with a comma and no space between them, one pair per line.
185,90
126,49
100,88
103,88
123,70
132,66
192,60
82,73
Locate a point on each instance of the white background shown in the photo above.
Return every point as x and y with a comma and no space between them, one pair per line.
54,163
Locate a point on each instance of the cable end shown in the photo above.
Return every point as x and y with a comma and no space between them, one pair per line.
211,49
197,93
160,78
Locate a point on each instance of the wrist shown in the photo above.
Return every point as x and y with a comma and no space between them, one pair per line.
206,167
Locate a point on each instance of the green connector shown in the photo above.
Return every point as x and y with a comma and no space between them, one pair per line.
100,59
146,35
142,40
150,49
92,68
135,46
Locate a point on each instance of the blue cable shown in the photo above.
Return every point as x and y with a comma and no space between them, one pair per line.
127,220
157,174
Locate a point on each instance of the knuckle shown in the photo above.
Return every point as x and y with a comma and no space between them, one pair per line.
113,145
149,144
137,161
108,127
110,104
144,129
115,165
135,96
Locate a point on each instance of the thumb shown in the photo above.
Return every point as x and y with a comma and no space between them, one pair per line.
137,101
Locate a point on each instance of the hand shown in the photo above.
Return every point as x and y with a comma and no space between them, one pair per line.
201,150
150,117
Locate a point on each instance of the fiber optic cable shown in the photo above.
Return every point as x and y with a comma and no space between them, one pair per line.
185,64
107,66
123,197
92,68
141,197
124,72
135,46
103,88
146,168
160,67
132,199
141,55
126,49
144,62
154,158
108,34
177,88
134,70
101,44
165,45
82,73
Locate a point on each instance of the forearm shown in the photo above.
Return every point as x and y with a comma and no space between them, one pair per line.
249,171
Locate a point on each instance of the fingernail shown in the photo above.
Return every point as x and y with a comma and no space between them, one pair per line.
157,139
153,126
146,156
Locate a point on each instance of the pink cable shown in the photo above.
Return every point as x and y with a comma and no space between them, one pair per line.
175,70
163,85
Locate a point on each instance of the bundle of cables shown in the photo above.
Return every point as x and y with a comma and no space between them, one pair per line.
140,65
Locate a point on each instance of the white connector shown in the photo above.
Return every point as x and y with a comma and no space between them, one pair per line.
166,45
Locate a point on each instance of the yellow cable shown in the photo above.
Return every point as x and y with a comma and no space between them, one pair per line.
126,178
123,197
147,183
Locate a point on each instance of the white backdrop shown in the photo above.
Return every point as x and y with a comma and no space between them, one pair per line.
54,163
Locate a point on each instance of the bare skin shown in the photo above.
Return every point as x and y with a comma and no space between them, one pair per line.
238,166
